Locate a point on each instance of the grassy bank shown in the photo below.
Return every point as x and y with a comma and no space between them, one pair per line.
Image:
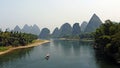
4,50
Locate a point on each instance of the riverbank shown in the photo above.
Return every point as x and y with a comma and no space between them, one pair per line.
87,40
68,39
35,43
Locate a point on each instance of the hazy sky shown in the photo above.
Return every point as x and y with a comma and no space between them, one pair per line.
53,13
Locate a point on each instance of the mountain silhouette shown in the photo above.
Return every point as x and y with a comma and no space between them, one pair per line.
35,30
65,30
28,29
93,24
83,26
76,30
56,33
17,29
44,34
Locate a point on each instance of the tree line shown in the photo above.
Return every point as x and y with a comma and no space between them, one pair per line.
107,39
15,38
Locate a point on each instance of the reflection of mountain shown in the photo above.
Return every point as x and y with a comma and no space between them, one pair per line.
76,47
14,56
66,47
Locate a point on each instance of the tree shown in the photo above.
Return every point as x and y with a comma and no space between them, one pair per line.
15,38
107,38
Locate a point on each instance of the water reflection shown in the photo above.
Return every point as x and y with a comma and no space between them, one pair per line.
66,47
76,48
104,61
71,47
63,54
15,55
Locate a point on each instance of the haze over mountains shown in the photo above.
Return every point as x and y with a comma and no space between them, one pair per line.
65,30
56,32
45,33
94,23
28,29
83,26
75,30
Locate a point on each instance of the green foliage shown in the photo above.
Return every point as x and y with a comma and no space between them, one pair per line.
86,36
15,38
4,48
107,38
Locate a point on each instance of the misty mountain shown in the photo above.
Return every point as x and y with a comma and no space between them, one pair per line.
56,33
17,28
83,26
28,29
35,30
45,33
76,29
93,24
65,30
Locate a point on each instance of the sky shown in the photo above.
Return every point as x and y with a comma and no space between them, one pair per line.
54,13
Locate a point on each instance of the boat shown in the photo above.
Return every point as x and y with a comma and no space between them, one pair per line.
47,56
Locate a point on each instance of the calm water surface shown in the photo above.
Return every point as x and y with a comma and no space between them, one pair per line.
63,54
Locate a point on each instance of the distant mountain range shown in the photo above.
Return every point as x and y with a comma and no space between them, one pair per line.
28,29
65,30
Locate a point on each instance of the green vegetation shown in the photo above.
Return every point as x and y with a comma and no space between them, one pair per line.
37,41
82,36
86,36
4,48
15,39
107,39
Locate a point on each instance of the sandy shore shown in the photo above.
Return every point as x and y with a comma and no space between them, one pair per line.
27,46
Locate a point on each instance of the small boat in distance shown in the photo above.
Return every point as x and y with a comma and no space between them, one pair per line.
47,56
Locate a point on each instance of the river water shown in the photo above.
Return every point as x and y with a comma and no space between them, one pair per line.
63,54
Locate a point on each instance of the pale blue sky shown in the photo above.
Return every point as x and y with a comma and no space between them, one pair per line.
53,13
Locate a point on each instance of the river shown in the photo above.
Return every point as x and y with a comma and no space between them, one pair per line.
63,54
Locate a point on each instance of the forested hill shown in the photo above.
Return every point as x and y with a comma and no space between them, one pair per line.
15,38
107,39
